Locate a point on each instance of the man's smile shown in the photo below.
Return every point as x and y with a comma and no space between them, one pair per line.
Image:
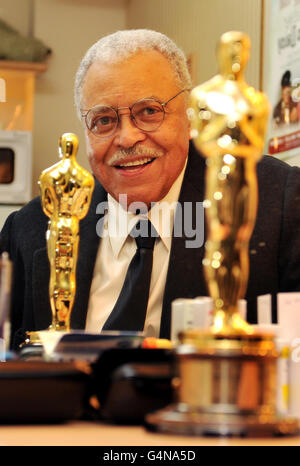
133,163
134,167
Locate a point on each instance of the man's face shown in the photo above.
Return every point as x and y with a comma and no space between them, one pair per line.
146,74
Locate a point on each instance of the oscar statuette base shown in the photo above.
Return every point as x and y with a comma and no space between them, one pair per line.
34,337
182,420
226,385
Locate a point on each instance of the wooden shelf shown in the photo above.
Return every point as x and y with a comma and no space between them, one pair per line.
39,67
16,113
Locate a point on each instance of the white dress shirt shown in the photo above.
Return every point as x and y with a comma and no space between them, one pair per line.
114,255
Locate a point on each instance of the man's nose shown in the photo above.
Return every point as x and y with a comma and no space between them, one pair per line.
128,134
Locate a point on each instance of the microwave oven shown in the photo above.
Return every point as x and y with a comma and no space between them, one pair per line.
15,167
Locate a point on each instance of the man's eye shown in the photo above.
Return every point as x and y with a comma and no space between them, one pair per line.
150,110
103,121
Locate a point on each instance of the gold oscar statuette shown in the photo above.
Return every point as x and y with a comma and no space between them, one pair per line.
66,190
226,382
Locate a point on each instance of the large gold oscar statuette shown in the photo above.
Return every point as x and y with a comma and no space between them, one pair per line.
66,191
227,375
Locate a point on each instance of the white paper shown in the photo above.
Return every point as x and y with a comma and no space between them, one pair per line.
264,309
288,311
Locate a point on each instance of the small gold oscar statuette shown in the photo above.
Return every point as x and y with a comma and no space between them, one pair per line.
66,191
227,374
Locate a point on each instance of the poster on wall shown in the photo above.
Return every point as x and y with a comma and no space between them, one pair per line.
281,76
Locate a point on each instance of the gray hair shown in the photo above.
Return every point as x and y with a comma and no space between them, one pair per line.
121,44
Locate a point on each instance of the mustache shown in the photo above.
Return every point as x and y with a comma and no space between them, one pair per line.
139,151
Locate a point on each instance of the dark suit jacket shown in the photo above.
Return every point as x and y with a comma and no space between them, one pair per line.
274,249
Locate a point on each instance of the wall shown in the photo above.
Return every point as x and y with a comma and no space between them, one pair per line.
17,13
196,25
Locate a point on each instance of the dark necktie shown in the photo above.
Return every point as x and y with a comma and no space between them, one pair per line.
129,312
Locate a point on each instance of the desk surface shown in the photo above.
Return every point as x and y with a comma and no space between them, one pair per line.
97,434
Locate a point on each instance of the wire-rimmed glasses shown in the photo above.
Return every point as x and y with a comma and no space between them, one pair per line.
147,114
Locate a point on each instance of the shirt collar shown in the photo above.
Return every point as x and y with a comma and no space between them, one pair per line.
120,222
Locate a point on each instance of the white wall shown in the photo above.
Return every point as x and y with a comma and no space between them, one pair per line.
196,25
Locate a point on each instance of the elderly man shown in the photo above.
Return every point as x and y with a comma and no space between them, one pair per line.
131,92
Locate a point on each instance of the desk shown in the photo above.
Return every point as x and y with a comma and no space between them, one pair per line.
97,434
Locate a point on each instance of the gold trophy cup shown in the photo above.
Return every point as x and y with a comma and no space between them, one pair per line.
227,375
66,191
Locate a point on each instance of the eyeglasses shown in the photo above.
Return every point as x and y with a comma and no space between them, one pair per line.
147,115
